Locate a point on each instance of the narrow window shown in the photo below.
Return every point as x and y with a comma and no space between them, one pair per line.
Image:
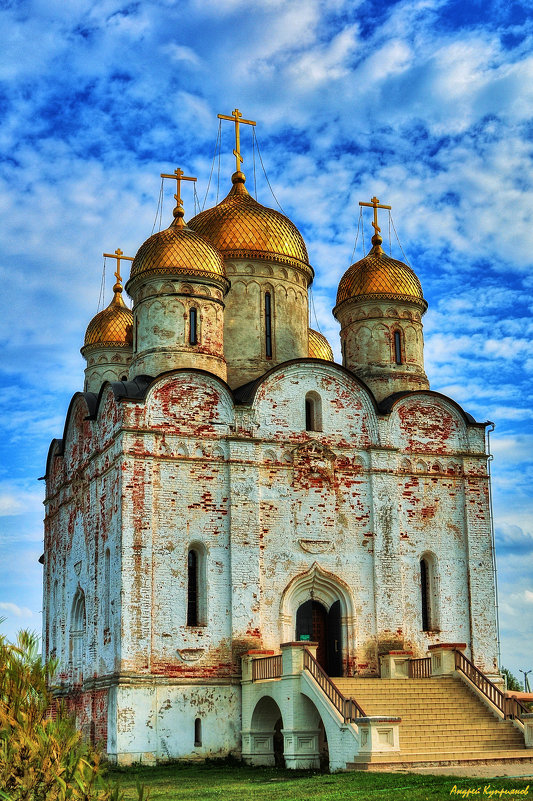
313,412
77,635
193,327
397,347
53,611
198,731
268,325
426,595
192,589
107,589
308,416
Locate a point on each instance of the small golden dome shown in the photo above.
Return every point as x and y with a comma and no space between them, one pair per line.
241,228
319,347
178,249
380,277
112,327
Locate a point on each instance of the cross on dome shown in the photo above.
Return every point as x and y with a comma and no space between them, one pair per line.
179,176
119,256
236,117
375,204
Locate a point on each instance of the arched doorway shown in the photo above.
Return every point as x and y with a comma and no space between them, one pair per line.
316,623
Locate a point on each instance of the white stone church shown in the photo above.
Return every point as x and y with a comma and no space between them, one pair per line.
224,493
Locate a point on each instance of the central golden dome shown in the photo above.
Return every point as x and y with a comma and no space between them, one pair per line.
381,277
241,228
178,249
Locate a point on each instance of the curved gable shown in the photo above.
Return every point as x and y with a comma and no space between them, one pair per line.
188,402
427,422
347,408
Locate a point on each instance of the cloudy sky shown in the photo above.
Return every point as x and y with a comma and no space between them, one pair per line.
428,104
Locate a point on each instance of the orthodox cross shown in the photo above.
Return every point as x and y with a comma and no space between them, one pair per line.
236,116
178,176
118,255
375,204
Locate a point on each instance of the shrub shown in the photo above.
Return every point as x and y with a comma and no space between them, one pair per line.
42,757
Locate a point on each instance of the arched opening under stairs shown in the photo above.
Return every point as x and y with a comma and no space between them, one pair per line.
267,728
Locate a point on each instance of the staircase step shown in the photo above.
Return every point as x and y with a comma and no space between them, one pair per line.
443,722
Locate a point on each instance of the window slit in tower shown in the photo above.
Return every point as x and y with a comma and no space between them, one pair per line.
192,589
397,347
268,325
424,582
193,327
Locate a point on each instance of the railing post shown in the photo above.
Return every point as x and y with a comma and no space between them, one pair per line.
443,657
395,664
527,720
293,655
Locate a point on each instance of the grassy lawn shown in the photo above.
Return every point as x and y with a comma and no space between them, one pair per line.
183,782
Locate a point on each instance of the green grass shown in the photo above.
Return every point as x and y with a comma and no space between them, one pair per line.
210,782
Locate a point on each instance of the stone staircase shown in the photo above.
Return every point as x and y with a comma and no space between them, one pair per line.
443,723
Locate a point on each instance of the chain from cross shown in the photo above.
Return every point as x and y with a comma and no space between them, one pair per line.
236,117
119,256
179,176
375,204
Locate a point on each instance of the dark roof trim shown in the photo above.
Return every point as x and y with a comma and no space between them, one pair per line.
90,401
246,393
137,389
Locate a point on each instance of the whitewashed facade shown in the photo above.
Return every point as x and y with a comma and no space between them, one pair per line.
188,520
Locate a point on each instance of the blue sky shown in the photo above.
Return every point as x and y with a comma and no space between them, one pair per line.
427,104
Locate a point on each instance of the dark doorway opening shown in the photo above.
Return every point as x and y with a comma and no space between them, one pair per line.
279,758
314,622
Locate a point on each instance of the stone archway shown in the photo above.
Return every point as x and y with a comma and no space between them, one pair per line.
263,742
324,588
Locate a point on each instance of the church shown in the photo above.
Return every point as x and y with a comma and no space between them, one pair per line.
225,495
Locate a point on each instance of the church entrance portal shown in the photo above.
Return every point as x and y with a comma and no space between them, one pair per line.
314,622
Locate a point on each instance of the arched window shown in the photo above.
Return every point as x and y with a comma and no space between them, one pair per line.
107,589
428,592
313,412
53,614
77,635
268,325
193,326
398,347
198,731
196,587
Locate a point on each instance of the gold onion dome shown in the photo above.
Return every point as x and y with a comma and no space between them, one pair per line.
319,347
112,327
178,249
241,228
381,277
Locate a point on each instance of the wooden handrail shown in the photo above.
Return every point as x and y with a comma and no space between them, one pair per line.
509,707
267,667
420,668
347,707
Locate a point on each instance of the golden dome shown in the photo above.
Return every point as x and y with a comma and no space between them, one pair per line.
380,277
180,250
241,228
319,347
112,327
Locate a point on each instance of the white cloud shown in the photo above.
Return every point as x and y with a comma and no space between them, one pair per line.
14,609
